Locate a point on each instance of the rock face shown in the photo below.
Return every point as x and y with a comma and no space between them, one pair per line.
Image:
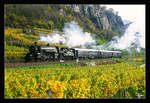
104,19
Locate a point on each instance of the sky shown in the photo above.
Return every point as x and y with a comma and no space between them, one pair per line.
135,14
130,12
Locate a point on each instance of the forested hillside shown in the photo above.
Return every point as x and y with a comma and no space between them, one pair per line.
97,20
24,23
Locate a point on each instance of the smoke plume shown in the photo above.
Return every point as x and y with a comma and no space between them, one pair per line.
72,35
134,36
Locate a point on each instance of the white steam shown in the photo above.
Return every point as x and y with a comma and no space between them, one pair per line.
135,34
72,35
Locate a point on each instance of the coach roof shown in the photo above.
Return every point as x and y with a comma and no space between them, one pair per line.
44,47
85,49
109,51
96,50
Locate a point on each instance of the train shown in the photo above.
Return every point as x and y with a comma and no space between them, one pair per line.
47,53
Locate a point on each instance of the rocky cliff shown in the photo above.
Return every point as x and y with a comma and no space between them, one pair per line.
104,19
95,19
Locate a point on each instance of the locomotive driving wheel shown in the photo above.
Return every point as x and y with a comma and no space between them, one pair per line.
44,58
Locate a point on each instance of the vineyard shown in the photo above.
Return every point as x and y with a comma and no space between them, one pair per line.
71,80
17,43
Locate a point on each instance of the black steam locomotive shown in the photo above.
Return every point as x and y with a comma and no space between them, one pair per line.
47,53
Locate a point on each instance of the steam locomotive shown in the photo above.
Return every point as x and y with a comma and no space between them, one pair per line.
46,53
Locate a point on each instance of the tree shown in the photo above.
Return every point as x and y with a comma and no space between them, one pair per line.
40,23
51,25
103,8
117,12
69,18
111,10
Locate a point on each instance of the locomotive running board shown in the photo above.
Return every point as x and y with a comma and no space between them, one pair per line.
61,60
77,60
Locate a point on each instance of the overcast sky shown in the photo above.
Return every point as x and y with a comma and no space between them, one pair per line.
130,12
133,13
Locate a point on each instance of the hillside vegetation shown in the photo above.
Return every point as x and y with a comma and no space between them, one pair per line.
54,16
17,43
22,28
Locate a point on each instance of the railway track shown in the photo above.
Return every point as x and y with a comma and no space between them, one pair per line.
82,63
16,64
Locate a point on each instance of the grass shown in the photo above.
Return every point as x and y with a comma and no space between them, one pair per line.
74,80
